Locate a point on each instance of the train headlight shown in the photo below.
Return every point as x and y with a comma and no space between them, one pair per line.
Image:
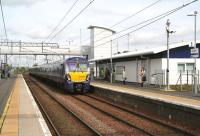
68,77
88,77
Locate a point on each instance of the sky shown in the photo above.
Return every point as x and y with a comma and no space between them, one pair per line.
34,20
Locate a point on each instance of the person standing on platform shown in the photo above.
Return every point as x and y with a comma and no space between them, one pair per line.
92,74
113,75
107,74
124,76
143,76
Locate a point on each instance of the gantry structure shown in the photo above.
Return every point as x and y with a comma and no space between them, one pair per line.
35,49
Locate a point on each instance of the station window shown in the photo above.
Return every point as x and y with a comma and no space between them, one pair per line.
184,67
181,68
190,67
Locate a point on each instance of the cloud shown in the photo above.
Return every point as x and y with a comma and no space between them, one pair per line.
33,33
108,12
38,32
19,2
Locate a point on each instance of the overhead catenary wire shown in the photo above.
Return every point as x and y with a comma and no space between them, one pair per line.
163,16
62,19
140,23
143,22
3,21
72,19
126,18
173,11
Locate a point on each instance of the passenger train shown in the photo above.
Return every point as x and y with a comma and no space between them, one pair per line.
73,73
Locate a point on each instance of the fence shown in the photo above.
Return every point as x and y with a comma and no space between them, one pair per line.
158,78
188,78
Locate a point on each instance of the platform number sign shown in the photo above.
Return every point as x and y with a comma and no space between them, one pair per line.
194,53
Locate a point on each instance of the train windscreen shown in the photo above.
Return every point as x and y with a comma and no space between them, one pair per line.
77,67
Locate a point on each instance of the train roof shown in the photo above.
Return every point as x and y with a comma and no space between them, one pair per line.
61,61
76,59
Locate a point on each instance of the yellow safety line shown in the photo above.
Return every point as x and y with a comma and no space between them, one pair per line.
6,107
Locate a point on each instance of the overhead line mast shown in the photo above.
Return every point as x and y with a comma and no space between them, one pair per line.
4,21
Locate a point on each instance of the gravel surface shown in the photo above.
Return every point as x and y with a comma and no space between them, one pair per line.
103,123
162,120
147,125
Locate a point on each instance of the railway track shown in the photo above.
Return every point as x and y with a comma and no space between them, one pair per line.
96,130
33,85
159,122
113,116
146,125
116,113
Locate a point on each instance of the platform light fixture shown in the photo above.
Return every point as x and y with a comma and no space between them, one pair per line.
194,14
168,32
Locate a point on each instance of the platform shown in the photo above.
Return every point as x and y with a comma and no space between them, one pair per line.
23,117
175,98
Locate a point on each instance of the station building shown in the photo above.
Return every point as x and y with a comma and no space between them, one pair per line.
98,42
154,61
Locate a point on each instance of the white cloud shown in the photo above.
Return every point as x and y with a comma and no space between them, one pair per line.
37,21
38,32
19,2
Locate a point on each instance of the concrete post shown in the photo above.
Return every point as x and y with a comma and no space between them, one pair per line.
111,65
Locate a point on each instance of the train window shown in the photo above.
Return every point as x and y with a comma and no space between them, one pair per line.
72,66
66,69
83,67
77,66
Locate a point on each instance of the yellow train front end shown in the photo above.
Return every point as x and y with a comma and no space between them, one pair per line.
77,75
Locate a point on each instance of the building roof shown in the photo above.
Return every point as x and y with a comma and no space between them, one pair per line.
144,51
92,27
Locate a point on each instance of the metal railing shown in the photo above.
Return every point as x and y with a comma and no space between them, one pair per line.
187,78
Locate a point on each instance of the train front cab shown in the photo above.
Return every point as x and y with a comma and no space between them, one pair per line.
77,77
78,82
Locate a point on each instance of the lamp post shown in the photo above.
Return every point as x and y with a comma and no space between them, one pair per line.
128,40
111,65
168,32
195,61
0,62
0,54
69,41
